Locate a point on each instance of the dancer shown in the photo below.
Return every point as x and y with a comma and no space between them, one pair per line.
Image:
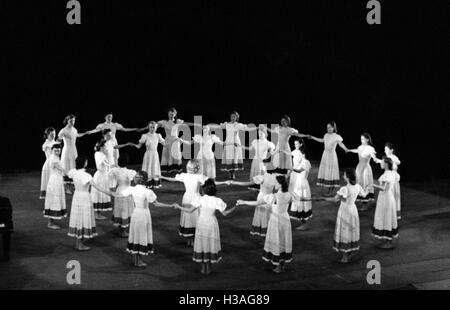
69,135
123,205
82,219
385,221
278,243
113,127
150,163
267,182
205,156
171,154
346,233
364,176
55,198
207,248
49,136
282,155
298,184
389,151
328,176
101,201
192,181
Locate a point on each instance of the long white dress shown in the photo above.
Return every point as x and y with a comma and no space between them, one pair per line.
205,155
299,185
113,127
45,174
396,162
262,147
282,157
266,183
192,183
346,233
123,205
329,166
171,154
140,239
101,201
232,157
55,197
69,152
385,224
150,163
278,243
82,218
207,234
364,175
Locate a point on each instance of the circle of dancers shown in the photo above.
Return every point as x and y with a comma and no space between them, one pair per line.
278,174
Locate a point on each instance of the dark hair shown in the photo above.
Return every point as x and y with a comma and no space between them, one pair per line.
124,159
47,131
333,124
300,140
236,114
287,119
390,146
368,137
105,131
109,113
142,177
56,146
174,111
388,162
67,118
284,184
80,162
209,188
351,175
99,145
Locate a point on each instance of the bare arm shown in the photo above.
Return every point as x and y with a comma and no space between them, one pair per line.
169,179
383,186
253,203
226,212
238,183
156,203
342,145
188,209
123,145
315,139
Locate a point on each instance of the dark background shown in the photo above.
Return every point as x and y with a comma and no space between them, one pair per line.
313,60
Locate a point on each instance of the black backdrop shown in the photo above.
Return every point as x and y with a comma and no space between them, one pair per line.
314,60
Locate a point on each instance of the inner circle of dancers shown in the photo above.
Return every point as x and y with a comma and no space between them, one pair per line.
279,174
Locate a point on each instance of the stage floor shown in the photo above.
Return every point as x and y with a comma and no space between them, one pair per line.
39,255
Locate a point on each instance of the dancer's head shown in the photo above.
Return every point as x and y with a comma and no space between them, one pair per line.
193,166
388,164
298,143
282,183
206,130
234,117
285,121
56,149
172,113
209,188
69,120
366,139
50,133
109,117
389,148
350,176
81,162
152,126
100,145
140,178
331,127
262,132
107,134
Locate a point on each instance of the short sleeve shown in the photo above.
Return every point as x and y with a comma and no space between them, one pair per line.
293,131
372,150
221,205
180,121
382,178
202,178
61,133
197,139
180,177
196,202
143,139
339,139
269,199
397,177
131,174
242,126
150,195
215,138
86,178
306,165
254,143
258,179
99,127
119,126
71,173
343,192
271,145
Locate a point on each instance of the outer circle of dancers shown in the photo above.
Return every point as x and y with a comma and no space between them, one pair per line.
278,174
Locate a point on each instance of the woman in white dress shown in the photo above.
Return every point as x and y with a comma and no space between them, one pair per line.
114,127
69,135
171,155
346,233
49,136
101,201
55,198
192,181
82,219
364,175
298,184
207,247
389,151
150,163
328,176
385,226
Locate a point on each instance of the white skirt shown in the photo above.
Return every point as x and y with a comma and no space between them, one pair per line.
82,219
346,233
397,196
171,155
278,244
328,170
257,168
260,218
232,158
281,159
385,220
123,208
300,209
55,198
45,175
364,177
207,240
102,202
68,156
208,167
151,165
140,239
188,220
